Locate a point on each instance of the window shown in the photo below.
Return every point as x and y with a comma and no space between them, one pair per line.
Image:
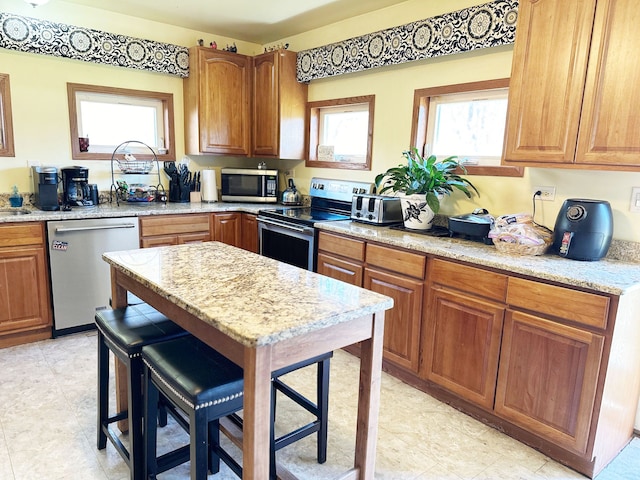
467,121
341,133
102,118
6,123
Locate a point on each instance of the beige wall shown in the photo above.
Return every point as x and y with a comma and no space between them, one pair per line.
39,89
38,85
393,88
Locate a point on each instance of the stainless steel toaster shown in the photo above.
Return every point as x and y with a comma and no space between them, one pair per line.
376,209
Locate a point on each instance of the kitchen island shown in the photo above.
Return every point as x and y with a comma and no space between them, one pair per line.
263,315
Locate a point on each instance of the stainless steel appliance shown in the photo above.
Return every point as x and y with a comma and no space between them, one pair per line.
80,279
288,234
376,209
249,185
583,229
75,187
45,188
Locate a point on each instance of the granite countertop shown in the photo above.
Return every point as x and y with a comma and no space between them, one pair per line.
606,275
106,210
253,299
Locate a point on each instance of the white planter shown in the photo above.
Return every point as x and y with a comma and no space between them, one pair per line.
416,214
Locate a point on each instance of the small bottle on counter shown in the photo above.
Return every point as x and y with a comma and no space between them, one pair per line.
15,199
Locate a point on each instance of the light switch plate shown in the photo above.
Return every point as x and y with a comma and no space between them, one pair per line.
635,200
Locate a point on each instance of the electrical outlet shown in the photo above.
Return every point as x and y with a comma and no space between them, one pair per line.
547,194
290,173
635,200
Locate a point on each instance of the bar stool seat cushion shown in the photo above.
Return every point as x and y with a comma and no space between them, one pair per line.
135,326
194,373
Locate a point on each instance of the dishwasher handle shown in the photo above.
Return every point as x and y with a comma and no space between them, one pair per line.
94,227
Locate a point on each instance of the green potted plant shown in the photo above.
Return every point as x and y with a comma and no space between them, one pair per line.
421,183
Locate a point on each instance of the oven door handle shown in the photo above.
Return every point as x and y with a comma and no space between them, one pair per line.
288,226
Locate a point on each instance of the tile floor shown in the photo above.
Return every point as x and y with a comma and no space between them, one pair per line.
47,427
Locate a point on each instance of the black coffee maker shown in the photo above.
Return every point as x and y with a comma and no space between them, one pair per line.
75,187
45,188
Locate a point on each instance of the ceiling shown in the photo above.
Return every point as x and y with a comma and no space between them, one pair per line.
253,21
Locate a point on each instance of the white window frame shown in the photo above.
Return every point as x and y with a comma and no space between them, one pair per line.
164,144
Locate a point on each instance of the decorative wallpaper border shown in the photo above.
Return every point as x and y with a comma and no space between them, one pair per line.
482,26
33,35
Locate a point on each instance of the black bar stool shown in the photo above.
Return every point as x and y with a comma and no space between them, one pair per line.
203,384
125,331
197,379
320,410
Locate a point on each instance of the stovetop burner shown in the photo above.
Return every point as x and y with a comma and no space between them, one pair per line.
306,215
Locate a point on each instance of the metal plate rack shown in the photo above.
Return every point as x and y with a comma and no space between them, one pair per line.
127,164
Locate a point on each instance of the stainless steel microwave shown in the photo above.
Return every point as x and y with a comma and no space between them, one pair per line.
249,185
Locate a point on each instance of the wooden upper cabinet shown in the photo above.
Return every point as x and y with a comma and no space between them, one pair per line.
610,120
217,102
279,103
573,99
547,80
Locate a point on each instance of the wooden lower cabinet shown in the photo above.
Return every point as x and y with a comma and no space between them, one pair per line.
548,378
401,323
227,228
551,365
250,233
461,344
162,230
25,315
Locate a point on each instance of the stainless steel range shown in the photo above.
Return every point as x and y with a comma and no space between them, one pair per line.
288,234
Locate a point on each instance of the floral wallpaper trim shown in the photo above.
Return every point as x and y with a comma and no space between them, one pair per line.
33,35
482,26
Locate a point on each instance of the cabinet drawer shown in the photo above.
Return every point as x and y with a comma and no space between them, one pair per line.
345,247
340,269
17,235
586,308
469,279
407,263
173,224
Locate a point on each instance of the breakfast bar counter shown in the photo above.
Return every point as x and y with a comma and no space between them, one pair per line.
263,315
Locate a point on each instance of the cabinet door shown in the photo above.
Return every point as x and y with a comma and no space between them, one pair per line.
547,80
547,378
224,102
610,121
266,114
227,228
250,232
402,322
24,290
462,344
349,272
279,106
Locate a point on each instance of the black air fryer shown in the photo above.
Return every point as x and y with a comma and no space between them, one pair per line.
583,229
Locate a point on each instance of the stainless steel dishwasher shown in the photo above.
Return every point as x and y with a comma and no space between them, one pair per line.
80,279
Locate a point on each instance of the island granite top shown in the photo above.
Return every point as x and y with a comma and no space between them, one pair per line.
606,275
252,299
